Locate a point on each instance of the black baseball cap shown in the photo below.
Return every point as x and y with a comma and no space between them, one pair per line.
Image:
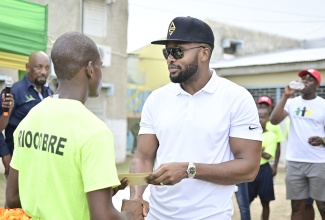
188,29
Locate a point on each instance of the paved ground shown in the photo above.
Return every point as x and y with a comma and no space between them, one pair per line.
1,168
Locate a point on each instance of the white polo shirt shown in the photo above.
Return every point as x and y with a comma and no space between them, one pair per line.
196,128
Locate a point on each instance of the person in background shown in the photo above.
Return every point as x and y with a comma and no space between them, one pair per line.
7,102
242,188
199,135
27,93
266,102
63,166
309,213
262,186
242,198
305,168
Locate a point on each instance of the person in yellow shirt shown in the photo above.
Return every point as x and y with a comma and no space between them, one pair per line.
262,186
266,102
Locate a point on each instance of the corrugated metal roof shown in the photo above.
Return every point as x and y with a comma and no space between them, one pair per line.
288,56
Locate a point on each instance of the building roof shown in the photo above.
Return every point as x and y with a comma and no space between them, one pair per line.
280,57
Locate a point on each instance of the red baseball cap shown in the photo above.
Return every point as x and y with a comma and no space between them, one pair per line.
264,99
312,72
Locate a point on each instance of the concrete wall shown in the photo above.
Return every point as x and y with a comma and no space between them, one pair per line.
253,42
5,72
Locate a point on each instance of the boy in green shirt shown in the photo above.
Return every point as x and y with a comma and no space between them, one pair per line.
262,186
64,161
266,102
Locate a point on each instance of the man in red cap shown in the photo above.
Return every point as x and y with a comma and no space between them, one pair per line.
266,102
306,143
312,72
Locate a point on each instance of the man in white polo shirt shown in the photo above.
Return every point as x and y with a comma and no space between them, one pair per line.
200,134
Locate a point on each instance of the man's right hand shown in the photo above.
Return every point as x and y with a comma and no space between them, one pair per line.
6,163
8,101
134,207
288,91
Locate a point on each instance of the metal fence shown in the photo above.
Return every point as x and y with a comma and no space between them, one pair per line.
276,92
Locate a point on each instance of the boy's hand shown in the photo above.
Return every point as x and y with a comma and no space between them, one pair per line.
124,184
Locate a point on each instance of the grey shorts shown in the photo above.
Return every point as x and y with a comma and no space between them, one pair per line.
304,180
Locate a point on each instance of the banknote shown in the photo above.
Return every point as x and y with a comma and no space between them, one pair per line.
135,178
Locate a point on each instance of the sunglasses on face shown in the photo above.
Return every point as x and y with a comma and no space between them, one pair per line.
176,52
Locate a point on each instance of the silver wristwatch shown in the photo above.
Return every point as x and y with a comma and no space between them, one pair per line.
191,170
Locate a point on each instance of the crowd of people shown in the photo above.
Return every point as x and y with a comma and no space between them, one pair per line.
195,150
304,176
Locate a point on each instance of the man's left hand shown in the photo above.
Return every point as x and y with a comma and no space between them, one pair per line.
168,174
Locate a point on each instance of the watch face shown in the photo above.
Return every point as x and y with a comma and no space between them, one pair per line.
191,170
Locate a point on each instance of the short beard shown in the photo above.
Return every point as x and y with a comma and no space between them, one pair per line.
185,75
38,83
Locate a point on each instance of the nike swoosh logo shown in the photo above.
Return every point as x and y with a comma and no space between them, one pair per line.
252,128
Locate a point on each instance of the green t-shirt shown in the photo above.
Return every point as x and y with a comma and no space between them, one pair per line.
269,142
62,151
276,129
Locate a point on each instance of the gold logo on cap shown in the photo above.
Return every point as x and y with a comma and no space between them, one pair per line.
172,28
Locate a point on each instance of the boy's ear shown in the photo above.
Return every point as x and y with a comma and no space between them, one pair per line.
89,69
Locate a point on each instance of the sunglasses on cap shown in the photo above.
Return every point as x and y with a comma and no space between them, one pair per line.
177,52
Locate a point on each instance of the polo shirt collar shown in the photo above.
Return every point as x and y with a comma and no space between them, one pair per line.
210,87
28,83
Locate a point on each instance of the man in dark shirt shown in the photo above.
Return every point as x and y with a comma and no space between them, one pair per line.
27,93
